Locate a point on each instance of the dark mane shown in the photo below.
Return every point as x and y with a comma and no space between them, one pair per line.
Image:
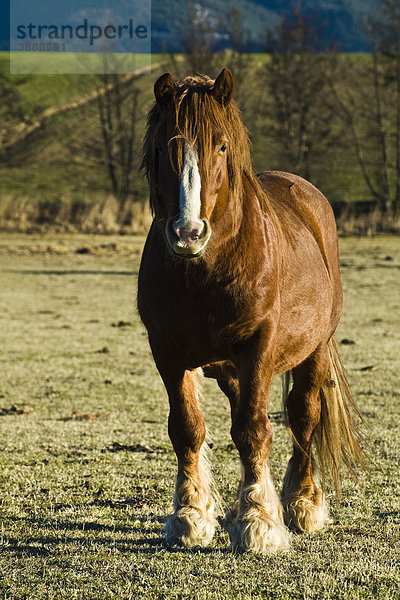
194,115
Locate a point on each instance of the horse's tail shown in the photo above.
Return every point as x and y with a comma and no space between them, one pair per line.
338,436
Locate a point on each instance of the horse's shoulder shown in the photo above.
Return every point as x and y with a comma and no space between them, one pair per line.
296,185
274,180
284,187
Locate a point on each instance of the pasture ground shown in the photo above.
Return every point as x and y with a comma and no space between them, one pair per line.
87,470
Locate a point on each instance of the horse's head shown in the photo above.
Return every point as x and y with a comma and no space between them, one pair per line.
190,150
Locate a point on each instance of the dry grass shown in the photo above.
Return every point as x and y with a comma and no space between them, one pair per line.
87,470
370,223
105,215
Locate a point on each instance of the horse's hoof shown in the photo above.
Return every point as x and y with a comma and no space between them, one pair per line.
188,527
306,515
259,535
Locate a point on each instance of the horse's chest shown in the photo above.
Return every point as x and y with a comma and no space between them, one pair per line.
203,315
195,317
207,324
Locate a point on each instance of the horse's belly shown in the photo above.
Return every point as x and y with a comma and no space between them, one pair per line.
305,321
208,338
297,344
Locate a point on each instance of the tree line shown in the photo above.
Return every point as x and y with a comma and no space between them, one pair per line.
313,103
310,109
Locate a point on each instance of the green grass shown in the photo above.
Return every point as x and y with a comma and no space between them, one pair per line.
39,91
44,166
56,63
87,470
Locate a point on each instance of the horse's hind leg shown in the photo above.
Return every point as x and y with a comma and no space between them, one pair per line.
193,521
302,499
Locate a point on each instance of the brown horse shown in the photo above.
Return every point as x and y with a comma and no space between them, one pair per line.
240,278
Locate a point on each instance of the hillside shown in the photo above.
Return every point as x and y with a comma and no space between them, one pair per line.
51,166
344,21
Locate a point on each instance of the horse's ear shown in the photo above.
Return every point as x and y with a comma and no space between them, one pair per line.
164,89
223,87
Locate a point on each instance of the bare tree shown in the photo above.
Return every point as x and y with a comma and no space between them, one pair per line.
386,37
296,84
10,111
111,140
198,41
202,32
237,60
369,104
117,110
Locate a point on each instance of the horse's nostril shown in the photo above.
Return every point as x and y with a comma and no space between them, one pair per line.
194,234
175,227
187,232
188,239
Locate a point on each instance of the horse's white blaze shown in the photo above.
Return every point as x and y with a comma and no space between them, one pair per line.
190,185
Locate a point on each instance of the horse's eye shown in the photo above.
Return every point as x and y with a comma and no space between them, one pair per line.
222,149
160,148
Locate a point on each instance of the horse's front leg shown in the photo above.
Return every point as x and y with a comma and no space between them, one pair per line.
193,521
256,521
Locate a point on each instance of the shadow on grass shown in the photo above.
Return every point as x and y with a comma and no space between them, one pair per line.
57,524
33,544
70,272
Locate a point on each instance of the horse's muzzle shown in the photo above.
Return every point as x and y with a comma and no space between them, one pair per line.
188,239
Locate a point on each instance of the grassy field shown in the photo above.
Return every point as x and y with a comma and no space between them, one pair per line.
87,470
